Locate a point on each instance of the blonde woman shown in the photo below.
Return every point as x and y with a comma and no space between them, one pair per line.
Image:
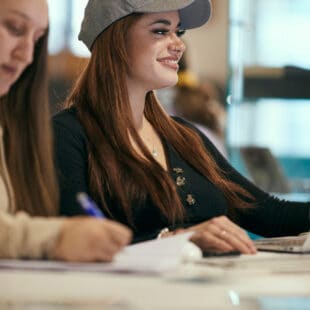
28,189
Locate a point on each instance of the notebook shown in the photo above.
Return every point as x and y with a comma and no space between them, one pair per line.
297,244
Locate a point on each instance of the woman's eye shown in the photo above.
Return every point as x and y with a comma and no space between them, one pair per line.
14,29
180,32
160,31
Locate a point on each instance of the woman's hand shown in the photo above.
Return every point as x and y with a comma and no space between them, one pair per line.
85,239
221,235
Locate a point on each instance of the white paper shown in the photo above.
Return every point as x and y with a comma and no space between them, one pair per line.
155,256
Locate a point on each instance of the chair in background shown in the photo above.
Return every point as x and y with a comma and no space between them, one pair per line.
264,169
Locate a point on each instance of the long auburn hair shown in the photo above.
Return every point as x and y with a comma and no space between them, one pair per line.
114,167
25,118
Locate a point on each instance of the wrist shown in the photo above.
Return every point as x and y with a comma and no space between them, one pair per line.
163,233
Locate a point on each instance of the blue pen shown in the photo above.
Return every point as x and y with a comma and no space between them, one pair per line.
89,205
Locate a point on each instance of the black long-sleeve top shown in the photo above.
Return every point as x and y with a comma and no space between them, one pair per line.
201,199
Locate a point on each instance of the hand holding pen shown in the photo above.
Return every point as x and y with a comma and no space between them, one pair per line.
89,206
87,239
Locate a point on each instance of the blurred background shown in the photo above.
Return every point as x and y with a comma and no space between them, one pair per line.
252,63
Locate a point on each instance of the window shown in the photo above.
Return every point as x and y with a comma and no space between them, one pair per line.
65,21
282,125
274,32
57,33
269,33
77,47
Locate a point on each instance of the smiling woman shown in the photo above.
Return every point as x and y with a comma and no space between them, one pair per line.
154,61
143,167
28,188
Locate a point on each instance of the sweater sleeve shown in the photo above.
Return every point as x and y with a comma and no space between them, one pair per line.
269,216
22,236
71,161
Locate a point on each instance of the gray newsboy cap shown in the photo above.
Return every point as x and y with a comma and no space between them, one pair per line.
100,14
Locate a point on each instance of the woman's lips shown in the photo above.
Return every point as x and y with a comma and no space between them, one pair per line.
10,70
170,62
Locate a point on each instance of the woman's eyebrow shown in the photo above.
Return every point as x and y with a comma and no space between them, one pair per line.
21,14
163,21
26,17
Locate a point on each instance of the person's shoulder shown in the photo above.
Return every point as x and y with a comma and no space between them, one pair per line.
186,123
68,115
191,125
183,121
67,120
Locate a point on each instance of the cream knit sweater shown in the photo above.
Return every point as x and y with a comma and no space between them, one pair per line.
22,236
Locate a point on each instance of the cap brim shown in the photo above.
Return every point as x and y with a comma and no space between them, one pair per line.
196,14
193,13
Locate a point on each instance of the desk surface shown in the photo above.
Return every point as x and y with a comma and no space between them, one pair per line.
214,283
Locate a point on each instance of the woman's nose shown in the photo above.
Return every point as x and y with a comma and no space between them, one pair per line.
24,50
177,45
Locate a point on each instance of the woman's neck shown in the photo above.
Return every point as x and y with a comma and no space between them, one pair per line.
137,103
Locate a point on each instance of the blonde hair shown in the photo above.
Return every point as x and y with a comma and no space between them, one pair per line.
24,115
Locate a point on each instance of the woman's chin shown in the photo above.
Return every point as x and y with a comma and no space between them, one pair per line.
4,89
167,84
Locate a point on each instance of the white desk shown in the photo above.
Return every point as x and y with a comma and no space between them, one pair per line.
208,286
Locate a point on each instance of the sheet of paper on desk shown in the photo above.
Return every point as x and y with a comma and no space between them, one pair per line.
155,256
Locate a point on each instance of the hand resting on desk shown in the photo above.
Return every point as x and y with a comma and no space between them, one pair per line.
87,239
221,235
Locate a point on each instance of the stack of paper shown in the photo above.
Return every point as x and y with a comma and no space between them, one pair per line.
155,256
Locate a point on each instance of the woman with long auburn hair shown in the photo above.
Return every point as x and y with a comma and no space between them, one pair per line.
152,172
29,194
